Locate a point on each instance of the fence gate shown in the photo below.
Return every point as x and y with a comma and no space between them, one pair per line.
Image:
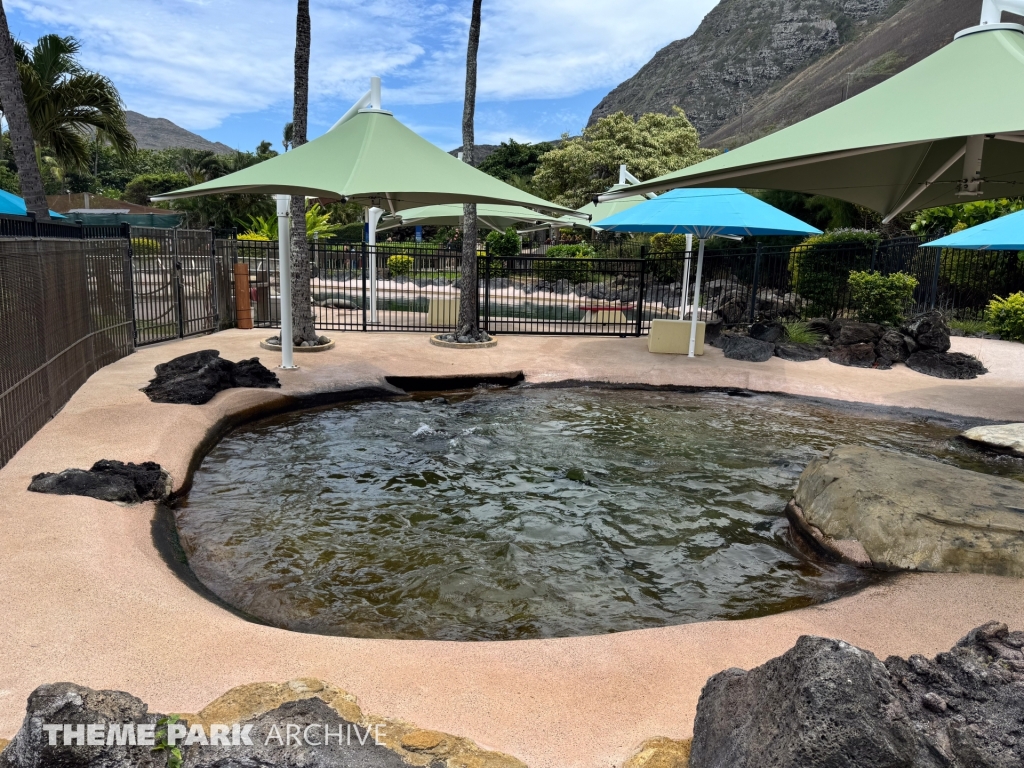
174,277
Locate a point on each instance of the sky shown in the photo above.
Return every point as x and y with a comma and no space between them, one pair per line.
223,68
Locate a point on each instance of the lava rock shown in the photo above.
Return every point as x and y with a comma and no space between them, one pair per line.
195,378
946,365
748,349
852,332
77,705
820,325
107,480
800,353
733,311
825,703
855,355
929,330
771,332
894,346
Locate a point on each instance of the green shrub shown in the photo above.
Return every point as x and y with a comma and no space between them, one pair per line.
968,326
570,264
147,185
350,233
1006,316
145,246
801,333
820,268
399,265
504,245
881,298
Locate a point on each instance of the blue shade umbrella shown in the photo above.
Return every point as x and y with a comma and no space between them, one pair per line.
12,205
706,213
1003,234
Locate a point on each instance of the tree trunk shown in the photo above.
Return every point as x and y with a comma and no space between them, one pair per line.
469,301
302,313
18,124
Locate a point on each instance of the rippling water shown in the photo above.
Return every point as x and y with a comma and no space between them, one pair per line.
524,513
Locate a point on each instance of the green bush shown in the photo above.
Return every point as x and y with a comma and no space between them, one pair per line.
566,267
820,267
147,185
350,233
881,298
1006,316
399,265
504,245
800,333
145,246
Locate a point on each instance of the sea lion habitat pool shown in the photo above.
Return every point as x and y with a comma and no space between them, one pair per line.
497,513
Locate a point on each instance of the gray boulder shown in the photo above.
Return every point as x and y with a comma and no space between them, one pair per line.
771,332
800,353
852,332
946,365
929,330
107,480
827,704
855,355
748,349
903,512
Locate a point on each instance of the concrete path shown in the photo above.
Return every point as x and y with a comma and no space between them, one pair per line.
87,598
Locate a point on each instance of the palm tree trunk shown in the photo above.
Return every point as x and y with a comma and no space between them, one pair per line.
13,99
302,314
469,302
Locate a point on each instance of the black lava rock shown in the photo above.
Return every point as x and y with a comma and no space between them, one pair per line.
771,332
748,349
107,480
929,330
946,365
851,332
195,378
825,703
800,353
820,325
894,347
855,355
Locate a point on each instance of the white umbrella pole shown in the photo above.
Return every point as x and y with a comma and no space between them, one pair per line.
696,299
284,261
686,275
372,217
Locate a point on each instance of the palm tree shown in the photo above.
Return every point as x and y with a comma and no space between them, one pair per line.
302,314
16,111
68,105
469,302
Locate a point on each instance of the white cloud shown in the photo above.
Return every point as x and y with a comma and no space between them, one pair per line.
199,62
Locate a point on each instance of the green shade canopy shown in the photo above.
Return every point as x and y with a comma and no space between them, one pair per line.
498,217
374,160
598,211
951,123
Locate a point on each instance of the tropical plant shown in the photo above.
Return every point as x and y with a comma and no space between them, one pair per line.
1006,316
13,103
512,160
799,332
566,262
302,314
881,298
949,217
318,222
148,185
162,743
504,245
588,164
469,299
400,265
67,104
820,267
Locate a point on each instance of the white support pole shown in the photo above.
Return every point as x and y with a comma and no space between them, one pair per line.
696,299
686,276
372,217
284,262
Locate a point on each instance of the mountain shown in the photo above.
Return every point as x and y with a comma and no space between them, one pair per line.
161,133
754,66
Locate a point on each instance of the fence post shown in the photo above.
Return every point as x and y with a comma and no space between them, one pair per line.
215,278
487,284
641,289
126,233
362,263
35,224
935,276
754,282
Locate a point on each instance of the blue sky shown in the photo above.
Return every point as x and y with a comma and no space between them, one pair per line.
223,68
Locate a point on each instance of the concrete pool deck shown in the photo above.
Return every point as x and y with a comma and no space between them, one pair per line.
88,598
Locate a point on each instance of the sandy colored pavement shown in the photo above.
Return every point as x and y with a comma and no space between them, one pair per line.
87,598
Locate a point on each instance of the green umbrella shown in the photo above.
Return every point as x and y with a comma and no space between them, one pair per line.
598,211
497,217
948,130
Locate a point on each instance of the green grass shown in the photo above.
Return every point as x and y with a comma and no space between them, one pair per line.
800,333
969,326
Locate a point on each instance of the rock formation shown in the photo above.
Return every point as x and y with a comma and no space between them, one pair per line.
900,512
1002,437
195,378
107,480
825,703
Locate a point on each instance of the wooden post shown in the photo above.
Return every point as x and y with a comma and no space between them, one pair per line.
243,306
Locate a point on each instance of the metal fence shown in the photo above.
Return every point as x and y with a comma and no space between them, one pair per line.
65,311
415,287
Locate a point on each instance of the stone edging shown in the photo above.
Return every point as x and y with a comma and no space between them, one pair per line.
437,342
318,348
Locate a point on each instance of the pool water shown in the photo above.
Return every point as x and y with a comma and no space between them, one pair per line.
524,513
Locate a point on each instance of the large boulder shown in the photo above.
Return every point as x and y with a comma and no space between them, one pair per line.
1001,437
800,353
853,332
748,349
855,355
907,513
894,347
828,704
772,332
929,330
107,480
195,378
946,365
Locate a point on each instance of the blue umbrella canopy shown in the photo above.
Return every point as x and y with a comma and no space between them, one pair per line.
706,213
12,205
1003,234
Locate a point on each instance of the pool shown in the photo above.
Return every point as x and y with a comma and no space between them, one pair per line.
500,514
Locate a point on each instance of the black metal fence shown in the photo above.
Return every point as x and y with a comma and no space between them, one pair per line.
65,311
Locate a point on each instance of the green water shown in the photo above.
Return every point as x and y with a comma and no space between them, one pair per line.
501,514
